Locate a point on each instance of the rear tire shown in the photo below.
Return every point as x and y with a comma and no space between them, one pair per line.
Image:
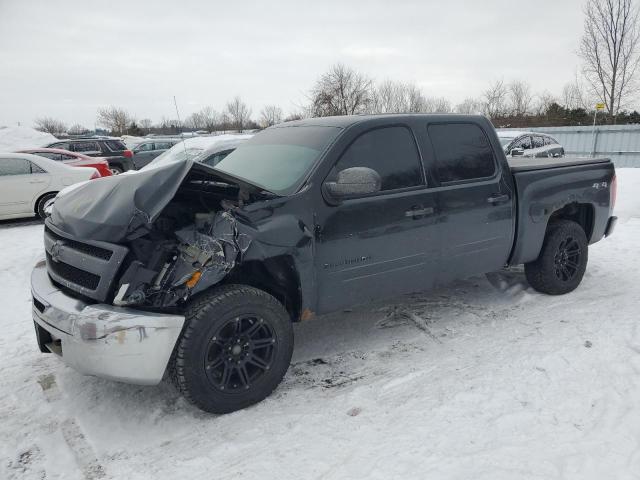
115,170
43,202
235,349
563,259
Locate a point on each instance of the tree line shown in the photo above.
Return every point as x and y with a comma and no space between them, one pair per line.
608,51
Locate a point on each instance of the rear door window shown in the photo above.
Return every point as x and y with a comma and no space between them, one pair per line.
49,155
61,146
144,147
461,152
86,147
163,145
390,151
14,166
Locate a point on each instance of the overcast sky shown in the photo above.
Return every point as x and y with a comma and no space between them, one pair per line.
67,58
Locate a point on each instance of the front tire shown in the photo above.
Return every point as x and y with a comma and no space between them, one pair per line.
235,349
563,259
115,170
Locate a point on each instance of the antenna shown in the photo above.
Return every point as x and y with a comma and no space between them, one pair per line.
180,122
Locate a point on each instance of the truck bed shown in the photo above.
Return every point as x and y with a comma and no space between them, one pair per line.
525,164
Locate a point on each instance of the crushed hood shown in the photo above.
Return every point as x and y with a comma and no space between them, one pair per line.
112,208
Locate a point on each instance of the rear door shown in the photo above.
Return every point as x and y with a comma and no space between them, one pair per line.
384,244
476,203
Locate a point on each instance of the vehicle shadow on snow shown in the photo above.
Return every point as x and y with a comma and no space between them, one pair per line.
333,351
20,222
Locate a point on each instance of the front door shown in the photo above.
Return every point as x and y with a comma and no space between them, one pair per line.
384,244
20,183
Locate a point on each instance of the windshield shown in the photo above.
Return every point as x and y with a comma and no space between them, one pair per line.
277,159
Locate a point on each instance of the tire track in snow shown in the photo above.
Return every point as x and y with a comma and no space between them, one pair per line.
73,436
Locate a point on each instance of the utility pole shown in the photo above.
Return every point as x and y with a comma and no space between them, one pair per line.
599,106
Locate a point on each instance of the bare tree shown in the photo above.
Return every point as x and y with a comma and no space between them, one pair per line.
520,98
574,96
270,115
50,125
77,129
341,91
608,49
437,105
543,102
470,106
116,119
495,98
239,113
146,124
397,97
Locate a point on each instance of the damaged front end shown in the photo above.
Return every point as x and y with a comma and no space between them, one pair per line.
177,229
204,253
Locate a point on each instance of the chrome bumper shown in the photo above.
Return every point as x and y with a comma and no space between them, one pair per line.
122,344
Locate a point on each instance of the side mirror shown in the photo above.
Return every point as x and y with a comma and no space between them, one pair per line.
517,152
354,181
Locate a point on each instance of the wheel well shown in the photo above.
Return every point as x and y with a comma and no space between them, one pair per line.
35,205
276,276
581,213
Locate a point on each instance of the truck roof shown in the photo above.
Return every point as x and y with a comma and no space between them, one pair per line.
345,121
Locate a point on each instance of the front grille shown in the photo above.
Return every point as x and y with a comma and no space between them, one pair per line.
92,250
72,274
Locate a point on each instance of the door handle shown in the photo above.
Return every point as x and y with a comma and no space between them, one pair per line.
498,198
418,211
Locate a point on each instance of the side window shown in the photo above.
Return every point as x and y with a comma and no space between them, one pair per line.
62,146
390,151
549,141
216,158
115,145
462,152
144,147
49,155
86,147
538,141
35,168
523,143
14,166
163,146
65,157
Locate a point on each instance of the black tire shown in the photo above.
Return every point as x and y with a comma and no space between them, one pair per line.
563,259
42,202
207,352
115,169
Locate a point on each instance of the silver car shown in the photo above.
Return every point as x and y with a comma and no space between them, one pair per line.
145,152
529,144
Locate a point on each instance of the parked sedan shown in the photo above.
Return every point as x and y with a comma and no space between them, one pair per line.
529,144
28,183
145,152
73,159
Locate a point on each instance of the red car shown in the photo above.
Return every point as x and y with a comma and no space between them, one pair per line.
73,159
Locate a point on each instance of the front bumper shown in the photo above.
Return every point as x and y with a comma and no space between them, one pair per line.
122,344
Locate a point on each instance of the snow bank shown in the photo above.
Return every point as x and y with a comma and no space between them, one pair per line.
17,138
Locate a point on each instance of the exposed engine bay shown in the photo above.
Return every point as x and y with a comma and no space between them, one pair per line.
194,243
185,242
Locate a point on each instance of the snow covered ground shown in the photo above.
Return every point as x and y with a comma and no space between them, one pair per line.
468,381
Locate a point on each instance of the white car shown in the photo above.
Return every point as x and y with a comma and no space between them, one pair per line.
28,183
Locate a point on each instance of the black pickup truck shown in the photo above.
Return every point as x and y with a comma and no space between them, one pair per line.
198,272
